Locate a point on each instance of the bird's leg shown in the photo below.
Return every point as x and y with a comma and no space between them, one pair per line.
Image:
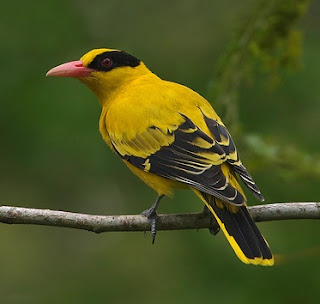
152,215
214,227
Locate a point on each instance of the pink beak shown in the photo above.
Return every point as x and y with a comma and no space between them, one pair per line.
70,69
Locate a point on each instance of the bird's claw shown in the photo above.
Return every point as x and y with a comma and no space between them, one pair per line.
153,222
214,227
152,216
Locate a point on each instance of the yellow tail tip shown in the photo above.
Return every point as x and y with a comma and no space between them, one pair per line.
258,261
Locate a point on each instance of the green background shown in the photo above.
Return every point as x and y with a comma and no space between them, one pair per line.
52,157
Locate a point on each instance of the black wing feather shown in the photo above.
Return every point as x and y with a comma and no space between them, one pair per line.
221,135
187,162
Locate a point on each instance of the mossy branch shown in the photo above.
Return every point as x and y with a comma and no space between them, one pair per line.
100,223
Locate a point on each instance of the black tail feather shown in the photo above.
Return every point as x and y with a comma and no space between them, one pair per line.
241,232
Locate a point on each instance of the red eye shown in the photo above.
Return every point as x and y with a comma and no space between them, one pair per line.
106,62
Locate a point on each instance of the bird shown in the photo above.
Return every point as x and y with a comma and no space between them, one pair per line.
171,138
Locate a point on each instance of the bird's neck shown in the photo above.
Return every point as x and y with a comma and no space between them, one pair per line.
106,85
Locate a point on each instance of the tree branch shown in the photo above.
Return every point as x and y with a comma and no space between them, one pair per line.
100,223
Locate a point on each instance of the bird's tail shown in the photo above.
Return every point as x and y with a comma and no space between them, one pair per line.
240,230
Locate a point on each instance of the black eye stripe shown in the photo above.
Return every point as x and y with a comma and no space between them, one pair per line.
118,58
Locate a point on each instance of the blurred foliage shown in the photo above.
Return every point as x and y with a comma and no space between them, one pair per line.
289,160
267,39
52,155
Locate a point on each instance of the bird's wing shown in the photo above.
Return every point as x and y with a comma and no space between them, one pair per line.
224,140
186,154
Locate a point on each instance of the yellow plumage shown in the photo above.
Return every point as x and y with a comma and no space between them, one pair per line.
170,137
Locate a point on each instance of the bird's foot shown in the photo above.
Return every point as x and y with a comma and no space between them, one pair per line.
214,227
152,216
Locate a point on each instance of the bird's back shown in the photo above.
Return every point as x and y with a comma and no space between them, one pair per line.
149,101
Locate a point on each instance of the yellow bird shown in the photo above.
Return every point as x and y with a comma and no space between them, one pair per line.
171,137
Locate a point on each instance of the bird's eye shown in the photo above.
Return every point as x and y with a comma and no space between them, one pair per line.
106,62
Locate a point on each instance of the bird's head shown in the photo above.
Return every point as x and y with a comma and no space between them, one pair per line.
102,70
